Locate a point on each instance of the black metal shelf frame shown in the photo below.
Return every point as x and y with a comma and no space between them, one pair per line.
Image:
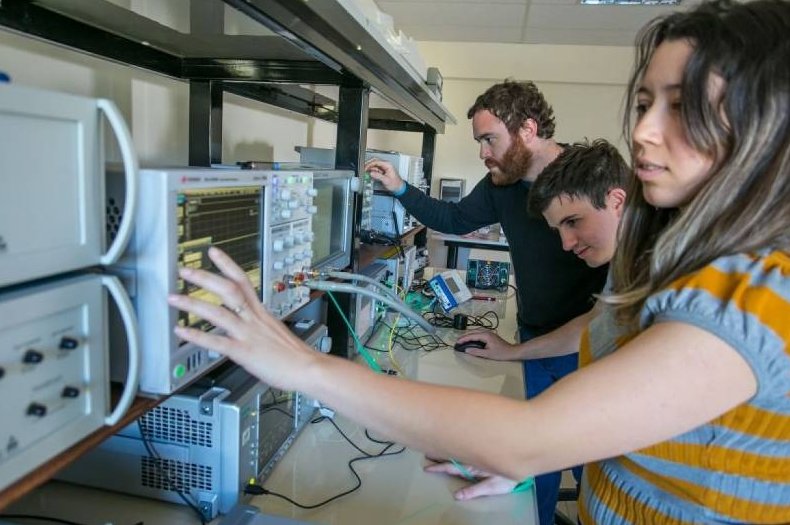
310,43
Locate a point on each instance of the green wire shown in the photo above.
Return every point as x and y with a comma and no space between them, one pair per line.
524,485
463,470
360,347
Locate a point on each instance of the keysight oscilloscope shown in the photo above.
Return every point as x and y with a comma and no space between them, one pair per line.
262,219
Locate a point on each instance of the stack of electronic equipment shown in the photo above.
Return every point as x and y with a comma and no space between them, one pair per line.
383,216
206,443
263,219
53,302
203,444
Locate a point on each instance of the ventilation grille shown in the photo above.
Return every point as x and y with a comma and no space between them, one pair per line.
175,476
114,216
176,426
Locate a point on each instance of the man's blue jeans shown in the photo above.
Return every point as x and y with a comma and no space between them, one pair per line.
540,374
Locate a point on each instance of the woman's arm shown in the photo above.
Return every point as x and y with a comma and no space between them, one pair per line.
670,379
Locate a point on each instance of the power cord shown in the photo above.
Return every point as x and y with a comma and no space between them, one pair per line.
255,489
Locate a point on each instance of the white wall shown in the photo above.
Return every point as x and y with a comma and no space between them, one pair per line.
157,108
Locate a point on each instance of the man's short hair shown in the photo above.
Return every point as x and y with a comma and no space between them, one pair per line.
581,170
513,103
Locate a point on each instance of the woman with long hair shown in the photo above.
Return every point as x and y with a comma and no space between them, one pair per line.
684,396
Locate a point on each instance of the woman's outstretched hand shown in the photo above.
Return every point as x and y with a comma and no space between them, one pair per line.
253,338
485,483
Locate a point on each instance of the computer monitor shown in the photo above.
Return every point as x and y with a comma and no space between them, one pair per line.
451,190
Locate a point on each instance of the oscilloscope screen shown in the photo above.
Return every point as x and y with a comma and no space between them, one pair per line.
228,218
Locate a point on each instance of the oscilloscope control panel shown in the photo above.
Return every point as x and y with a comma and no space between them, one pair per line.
287,247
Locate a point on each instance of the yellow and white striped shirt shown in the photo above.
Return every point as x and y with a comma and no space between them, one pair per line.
736,468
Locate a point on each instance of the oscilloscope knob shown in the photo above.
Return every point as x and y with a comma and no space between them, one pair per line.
278,265
285,195
312,192
293,204
285,214
289,241
312,210
278,245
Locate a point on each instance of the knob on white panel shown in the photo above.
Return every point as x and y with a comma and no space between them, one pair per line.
285,214
285,194
278,265
312,192
325,344
277,245
289,260
289,241
293,204
355,186
312,210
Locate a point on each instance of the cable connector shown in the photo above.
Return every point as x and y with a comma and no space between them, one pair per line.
255,490
326,411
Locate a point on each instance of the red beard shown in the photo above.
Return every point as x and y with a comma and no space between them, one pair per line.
513,166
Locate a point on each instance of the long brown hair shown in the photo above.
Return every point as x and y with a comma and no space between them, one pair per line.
744,205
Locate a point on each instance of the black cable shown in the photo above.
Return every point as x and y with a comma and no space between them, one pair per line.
377,237
395,224
275,404
276,409
260,490
39,518
367,454
410,340
149,447
488,320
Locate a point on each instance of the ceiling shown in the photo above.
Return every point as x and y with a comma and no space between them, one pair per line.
522,21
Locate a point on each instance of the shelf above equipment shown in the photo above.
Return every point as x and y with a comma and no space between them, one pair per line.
269,44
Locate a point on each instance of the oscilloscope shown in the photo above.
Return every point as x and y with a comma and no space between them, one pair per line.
261,219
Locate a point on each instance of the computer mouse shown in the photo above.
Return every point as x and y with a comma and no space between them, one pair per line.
461,347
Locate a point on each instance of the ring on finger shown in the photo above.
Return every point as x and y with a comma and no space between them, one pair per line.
237,309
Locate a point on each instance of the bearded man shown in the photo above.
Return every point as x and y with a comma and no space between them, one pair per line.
514,126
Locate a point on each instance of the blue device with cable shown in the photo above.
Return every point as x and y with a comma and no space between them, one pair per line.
450,289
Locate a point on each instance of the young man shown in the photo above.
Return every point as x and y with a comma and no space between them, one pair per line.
581,196
514,126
